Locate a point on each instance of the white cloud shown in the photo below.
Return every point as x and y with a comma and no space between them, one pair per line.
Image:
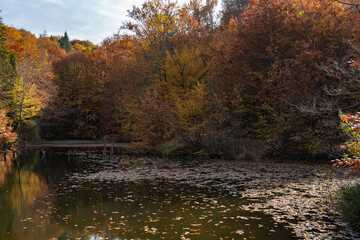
56,2
91,20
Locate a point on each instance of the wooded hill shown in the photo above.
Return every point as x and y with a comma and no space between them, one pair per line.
262,78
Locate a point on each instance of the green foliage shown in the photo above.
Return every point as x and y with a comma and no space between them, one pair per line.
7,75
7,69
65,236
65,43
348,202
31,130
351,126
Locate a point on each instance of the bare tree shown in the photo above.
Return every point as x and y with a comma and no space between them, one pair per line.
351,3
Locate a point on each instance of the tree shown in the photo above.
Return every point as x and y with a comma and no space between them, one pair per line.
351,3
50,49
203,14
184,70
7,74
232,9
168,59
153,25
7,134
268,65
192,112
153,122
32,89
7,68
83,46
65,43
81,79
186,89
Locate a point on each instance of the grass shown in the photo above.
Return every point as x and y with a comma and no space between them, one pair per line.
348,202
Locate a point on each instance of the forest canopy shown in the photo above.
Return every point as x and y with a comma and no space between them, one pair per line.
259,78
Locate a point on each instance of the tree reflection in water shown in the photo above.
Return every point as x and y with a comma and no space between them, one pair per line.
41,200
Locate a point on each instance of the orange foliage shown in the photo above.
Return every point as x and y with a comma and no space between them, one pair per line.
267,66
33,89
154,121
6,131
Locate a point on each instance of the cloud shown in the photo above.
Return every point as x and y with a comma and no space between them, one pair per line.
56,2
91,20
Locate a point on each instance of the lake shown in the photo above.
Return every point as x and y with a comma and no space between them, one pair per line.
43,196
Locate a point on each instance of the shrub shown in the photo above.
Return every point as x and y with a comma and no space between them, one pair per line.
351,158
348,202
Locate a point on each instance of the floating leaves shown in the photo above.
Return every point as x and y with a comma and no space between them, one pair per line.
187,199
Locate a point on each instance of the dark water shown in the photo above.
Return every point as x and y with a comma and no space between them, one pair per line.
40,200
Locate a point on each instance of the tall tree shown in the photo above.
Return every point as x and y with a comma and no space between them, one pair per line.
32,88
232,9
204,14
270,67
7,68
65,43
153,25
7,74
80,79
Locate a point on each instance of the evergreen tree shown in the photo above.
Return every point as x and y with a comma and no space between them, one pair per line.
65,43
3,52
7,67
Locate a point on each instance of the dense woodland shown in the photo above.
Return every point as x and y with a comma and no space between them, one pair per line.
259,78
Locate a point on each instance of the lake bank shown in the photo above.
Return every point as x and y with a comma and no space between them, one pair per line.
81,144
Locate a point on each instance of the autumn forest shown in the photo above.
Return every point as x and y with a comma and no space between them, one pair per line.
190,122
257,79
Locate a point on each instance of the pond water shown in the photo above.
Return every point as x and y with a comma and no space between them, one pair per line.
40,199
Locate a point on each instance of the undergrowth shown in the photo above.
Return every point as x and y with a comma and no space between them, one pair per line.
348,202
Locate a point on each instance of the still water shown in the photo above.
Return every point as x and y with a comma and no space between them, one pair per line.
40,200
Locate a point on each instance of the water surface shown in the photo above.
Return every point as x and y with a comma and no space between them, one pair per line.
41,200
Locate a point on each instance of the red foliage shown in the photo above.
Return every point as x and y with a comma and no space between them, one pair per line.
351,158
154,121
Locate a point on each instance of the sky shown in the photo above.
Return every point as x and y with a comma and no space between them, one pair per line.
92,20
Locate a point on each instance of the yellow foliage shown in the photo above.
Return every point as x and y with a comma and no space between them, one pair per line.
26,104
23,43
25,190
32,89
184,70
192,112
